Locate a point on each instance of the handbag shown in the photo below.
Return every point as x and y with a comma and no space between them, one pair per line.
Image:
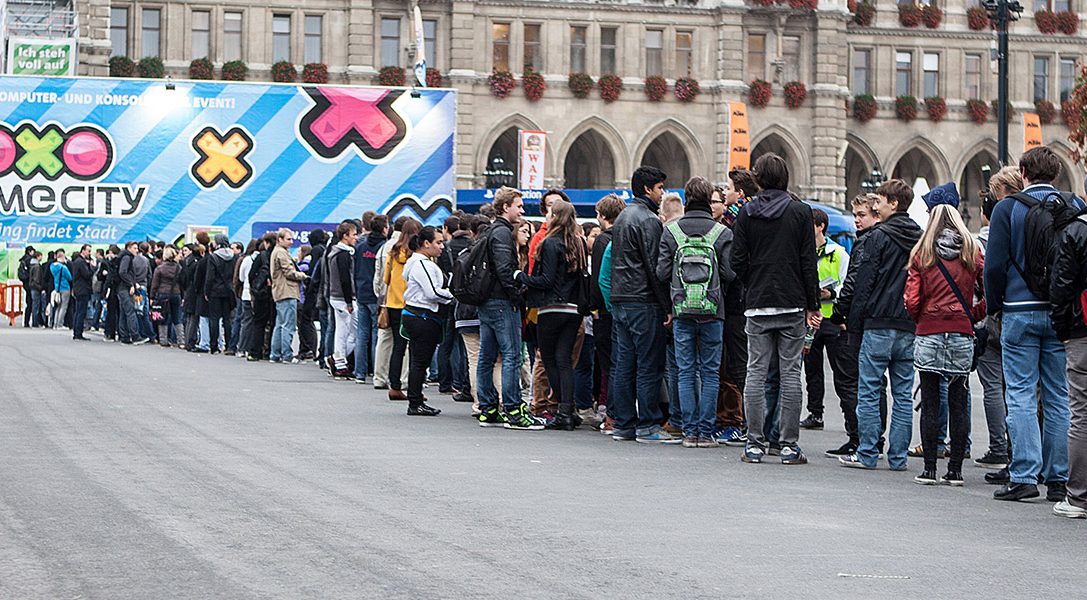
981,334
157,312
383,318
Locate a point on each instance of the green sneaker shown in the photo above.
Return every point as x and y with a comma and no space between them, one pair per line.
519,418
491,417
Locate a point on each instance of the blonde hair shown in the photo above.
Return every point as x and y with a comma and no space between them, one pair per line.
169,253
943,217
1005,182
671,206
865,200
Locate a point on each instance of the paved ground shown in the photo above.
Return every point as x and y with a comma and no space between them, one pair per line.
151,473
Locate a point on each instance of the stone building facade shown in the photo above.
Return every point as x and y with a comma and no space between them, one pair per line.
724,44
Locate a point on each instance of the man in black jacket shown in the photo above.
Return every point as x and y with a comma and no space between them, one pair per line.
1066,289
219,291
133,274
24,277
607,211
773,253
638,299
82,276
887,343
500,322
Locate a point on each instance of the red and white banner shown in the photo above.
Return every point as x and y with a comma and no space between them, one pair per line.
533,152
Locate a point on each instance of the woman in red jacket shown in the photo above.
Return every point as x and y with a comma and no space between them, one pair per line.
946,258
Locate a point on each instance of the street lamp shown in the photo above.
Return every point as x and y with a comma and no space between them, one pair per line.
875,179
496,175
1002,12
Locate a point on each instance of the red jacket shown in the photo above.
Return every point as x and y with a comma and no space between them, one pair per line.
932,304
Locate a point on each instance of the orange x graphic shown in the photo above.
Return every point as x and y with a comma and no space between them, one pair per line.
222,158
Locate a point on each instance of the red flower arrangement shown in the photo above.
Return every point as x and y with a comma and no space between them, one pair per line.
979,111
758,93
803,4
1069,114
795,92
864,14
580,84
201,68
906,108
932,16
501,83
121,66
977,18
1046,111
315,73
1046,20
909,15
1067,22
284,72
687,89
864,108
763,2
655,88
235,70
936,107
533,84
391,77
610,87
434,78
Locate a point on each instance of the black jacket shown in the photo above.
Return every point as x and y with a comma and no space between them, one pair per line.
599,246
313,284
551,283
460,242
1069,281
82,276
635,246
502,246
773,252
852,319
880,284
219,280
24,268
187,279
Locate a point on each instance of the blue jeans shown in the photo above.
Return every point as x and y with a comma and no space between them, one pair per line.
583,375
891,351
499,333
127,322
147,330
283,332
328,331
1033,356
671,386
635,384
698,356
204,342
236,329
365,337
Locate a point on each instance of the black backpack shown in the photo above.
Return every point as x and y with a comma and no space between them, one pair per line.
259,274
473,280
1045,220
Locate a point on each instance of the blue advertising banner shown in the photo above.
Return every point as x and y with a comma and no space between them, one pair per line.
85,160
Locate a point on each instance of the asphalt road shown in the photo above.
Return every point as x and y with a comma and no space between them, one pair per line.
151,473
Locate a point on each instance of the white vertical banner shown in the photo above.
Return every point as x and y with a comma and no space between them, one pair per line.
420,48
533,152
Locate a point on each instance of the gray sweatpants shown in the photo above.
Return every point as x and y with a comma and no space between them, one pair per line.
781,335
991,375
1076,352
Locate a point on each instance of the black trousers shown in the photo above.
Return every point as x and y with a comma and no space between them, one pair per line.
931,425
556,334
849,350
425,335
112,311
219,309
445,356
845,375
400,346
263,313
307,333
79,315
602,350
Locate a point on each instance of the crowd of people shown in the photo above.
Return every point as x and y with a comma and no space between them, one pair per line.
697,321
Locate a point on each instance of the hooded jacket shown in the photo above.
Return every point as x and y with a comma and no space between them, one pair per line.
849,315
773,252
339,273
365,265
929,299
82,276
635,248
1069,282
880,284
218,282
696,222
166,280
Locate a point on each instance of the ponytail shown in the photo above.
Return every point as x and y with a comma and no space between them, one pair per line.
426,234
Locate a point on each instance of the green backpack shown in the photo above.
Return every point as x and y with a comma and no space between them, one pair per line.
696,284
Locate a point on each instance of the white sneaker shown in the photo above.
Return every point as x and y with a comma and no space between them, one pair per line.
1064,509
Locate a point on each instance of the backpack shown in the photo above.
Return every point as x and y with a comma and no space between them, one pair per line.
259,274
473,280
696,283
1045,220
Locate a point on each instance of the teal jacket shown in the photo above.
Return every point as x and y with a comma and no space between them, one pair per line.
605,277
62,277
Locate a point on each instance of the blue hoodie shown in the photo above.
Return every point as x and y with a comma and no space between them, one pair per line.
62,277
1004,287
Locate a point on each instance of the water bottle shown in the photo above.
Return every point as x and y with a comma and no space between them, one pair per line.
809,337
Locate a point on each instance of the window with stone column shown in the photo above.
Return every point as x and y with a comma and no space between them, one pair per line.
609,37
118,31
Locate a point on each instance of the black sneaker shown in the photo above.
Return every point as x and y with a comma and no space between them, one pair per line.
926,478
1016,491
463,397
520,419
999,478
491,417
1056,491
952,478
422,409
812,422
992,461
844,450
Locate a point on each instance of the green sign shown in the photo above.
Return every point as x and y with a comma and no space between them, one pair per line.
28,56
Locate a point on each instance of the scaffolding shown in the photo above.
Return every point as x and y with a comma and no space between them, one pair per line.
48,19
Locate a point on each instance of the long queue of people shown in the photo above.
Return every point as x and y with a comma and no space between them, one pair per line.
694,322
